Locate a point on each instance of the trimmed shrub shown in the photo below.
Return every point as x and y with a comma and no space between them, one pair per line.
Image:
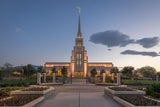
153,90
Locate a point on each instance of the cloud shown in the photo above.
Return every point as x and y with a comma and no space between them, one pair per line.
133,52
114,38
111,38
109,49
17,29
148,42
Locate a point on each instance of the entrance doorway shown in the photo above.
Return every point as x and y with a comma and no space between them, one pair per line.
79,74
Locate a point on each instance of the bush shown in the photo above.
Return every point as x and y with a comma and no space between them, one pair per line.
49,78
4,94
3,85
124,77
153,90
19,84
25,84
109,79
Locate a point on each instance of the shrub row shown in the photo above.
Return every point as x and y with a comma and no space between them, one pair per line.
153,90
16,84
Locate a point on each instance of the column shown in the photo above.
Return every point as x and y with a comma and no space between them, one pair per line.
53,77
39,78
113,76
118,79
44,77
104,77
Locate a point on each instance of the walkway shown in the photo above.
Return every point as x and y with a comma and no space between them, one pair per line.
79,96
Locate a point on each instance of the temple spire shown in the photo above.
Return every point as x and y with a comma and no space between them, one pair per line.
79,25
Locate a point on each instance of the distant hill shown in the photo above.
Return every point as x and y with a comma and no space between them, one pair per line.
35,66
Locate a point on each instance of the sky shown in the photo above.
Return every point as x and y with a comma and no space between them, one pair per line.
124,32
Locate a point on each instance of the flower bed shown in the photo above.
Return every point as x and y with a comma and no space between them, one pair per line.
34,90
39,88
139,88
121,88
116,91
137,100
5,92
18,100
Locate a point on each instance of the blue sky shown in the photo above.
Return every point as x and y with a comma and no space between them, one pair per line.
38,31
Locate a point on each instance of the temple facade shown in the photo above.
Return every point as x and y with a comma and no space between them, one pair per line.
78,65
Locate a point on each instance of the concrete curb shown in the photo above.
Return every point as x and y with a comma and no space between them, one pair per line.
116,93
45,92
107,84
49,84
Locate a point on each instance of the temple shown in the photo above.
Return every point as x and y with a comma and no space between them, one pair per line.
78,65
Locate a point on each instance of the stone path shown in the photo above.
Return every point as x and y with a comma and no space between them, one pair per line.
79,96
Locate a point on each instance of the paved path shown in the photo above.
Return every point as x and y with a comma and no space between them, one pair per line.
79,96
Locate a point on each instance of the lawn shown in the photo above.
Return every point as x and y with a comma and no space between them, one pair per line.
15,82
139,82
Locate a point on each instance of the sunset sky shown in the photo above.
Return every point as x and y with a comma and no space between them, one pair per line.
125,32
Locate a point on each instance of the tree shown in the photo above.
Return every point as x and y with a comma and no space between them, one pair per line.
29,70
147,71
93,72
114,70
1,72
64,71
8,68
40,69
127,70
54,70
158,73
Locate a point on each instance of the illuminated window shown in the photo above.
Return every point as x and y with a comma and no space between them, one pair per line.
79,59
79,44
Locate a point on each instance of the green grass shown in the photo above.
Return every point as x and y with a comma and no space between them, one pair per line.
139,82
11,89
14,81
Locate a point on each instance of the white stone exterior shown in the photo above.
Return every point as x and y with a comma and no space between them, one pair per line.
79,65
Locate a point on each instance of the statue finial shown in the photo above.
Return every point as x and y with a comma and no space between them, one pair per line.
79,9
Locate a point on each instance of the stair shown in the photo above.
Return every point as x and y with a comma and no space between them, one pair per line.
79,80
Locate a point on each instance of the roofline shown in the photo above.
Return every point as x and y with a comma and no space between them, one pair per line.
100,63
57,62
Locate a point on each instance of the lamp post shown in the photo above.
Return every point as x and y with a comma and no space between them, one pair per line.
71,77
22,73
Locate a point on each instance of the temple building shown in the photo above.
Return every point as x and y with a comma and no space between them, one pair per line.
78,65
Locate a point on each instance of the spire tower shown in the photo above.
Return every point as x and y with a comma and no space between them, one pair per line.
79,25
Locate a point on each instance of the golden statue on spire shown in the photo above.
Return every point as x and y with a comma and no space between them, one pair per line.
79,9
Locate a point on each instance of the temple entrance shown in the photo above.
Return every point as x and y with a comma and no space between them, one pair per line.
78,74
